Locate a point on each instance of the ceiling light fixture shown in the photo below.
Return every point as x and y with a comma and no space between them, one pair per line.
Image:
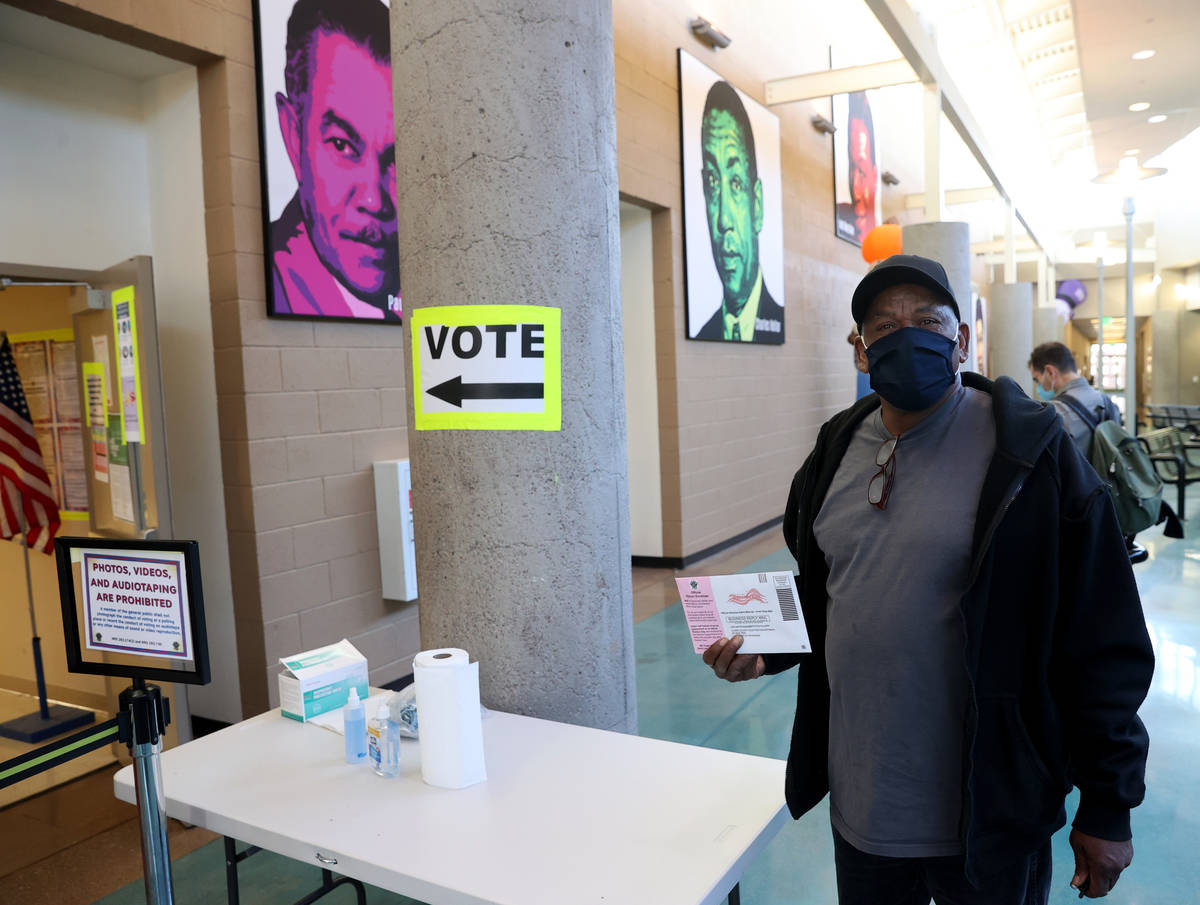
1128,173
1143,54
1157,118
1139,107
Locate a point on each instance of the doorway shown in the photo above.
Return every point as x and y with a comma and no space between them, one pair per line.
641,382
106,176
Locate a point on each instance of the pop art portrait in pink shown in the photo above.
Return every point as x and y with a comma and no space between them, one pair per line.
329,173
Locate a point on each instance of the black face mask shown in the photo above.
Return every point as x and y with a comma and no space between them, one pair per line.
912,368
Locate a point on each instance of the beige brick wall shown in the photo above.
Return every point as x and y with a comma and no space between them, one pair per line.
736,421
304,408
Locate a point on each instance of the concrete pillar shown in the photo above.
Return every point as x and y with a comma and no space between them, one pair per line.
1164,338
1189,358
950,244
1048,326
507,175
1010,331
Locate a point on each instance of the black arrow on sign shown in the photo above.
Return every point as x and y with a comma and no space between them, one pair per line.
454,391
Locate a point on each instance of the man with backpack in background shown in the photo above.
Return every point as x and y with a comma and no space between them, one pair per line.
1058,383
1116,456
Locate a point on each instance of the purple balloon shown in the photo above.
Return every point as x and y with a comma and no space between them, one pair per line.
1073,292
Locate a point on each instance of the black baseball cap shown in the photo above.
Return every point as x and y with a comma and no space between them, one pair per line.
899,270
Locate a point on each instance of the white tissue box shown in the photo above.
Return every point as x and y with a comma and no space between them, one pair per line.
318,681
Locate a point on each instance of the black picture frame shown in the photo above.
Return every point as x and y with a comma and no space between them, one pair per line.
199,674
842,105
265,107
701,282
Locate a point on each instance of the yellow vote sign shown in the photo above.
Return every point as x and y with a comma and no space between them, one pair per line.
487,367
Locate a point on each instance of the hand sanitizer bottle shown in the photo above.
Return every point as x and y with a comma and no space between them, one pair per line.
355,719
383,742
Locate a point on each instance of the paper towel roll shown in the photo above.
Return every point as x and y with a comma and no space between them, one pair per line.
450,727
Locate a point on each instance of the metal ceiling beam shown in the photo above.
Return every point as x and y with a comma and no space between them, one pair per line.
996,246
955,196
839,81
915,44
1050,50
1042,19
1140,256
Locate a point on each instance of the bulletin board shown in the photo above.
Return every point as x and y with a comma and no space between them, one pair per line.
112,485
46,361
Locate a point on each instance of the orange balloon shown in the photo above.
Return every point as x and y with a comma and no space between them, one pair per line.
882,242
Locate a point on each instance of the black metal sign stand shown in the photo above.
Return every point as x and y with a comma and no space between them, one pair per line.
144,717
168,569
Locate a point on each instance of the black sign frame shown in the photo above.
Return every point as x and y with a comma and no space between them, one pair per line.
199,674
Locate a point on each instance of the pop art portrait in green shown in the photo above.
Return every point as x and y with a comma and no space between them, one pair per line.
732,214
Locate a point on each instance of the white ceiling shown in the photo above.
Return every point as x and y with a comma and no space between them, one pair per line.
54,39
1050,82
1109,31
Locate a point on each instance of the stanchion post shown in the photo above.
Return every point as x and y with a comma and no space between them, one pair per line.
144,717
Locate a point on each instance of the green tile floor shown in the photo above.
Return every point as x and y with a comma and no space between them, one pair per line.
680,700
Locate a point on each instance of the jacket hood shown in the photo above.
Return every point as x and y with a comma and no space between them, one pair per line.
1023,427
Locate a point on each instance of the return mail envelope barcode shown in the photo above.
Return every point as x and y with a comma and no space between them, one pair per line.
762,607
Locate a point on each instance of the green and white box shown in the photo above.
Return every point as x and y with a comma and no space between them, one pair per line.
320,680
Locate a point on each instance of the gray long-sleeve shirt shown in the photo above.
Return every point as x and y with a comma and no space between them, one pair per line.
894,646
1094,400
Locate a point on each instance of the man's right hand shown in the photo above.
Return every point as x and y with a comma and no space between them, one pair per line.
731,666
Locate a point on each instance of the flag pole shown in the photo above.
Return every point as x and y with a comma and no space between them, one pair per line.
50,719
39,670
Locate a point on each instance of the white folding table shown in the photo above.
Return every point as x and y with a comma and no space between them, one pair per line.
567,814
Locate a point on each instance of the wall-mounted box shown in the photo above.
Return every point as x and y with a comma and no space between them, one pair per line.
393,510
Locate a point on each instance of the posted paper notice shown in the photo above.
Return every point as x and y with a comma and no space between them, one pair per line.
762,607
137,604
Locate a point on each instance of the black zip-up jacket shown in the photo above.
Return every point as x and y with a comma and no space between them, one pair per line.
1056,651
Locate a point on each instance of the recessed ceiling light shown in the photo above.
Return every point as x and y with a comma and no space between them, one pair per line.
1139,107
1133,152
1143,54
1157,118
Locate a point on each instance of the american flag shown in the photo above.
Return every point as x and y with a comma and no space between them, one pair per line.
24,484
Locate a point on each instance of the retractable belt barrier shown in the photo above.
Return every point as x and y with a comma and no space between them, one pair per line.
58,752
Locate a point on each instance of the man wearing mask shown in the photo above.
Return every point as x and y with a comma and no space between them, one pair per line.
1055,375
978,642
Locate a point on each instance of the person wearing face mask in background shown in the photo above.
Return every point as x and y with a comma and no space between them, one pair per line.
1055,378
1055,375
978,641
